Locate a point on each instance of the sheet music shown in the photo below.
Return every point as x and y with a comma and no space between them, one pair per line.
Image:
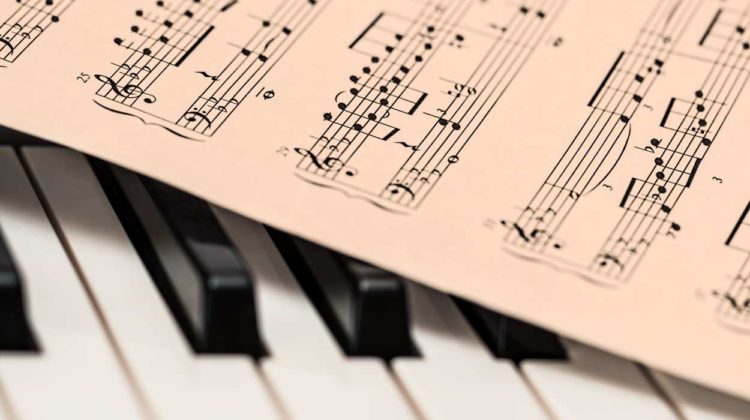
359,133
25,21
733,297
577,164
163,39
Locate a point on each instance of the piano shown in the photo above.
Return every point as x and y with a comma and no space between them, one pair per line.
124,298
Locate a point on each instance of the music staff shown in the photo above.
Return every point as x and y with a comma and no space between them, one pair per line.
239,78
605,131
692,129
470,103
688,128
384,88
732,304
29,20
164,38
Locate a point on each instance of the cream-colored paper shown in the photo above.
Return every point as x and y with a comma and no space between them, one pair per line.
577,163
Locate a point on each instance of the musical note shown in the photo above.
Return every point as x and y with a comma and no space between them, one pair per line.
269,94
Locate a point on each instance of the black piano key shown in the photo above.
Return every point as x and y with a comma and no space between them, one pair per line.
15,330
10,137
510,338
203,280
364,307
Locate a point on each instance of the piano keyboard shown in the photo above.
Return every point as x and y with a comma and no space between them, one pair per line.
122,298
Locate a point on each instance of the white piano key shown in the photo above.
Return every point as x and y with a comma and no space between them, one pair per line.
595,385
457,377
5,407
311,376
77,375
177,383
695,402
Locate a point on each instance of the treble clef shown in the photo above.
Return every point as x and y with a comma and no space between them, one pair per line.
312,156
129,91
328,164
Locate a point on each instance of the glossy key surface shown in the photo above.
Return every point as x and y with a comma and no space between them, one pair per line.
510,338
365,307
15,330
188,255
